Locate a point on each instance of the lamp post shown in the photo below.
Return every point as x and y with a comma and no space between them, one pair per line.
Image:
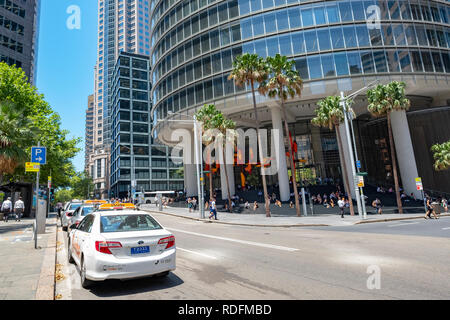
362,212
198,159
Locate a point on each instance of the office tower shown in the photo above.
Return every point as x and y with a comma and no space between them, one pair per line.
19,28
89,132
136,162
337,46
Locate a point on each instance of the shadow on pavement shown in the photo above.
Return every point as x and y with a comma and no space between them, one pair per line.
114,288
11,227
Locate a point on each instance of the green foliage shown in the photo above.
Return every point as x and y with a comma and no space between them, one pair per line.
283,81
330,113
63,195
253,179
441,155
387,98
212,118
82,185
37,122
249,68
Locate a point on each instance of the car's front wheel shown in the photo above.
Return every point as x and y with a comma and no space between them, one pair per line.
85,283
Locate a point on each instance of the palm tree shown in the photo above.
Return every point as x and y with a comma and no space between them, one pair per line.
250,69
214,119
16,135
284,82
330,114
384,99
441,155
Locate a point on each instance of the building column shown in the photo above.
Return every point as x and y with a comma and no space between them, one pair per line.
283,179
405,152
344,156
190,170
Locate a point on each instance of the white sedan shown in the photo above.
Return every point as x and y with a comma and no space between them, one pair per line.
121,244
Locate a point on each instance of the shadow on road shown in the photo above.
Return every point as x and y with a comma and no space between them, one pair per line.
10,227
114,288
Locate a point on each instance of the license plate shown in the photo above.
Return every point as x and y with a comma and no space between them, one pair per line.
140,250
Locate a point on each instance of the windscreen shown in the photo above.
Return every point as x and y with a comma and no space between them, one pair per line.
86,211
74,206
126,223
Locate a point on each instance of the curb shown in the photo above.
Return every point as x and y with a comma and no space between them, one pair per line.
286,225
240,224
397,219
46,283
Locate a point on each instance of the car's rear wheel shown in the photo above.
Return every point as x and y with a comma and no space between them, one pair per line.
85,283
69,254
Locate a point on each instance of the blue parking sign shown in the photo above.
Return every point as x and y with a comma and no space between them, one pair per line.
39,155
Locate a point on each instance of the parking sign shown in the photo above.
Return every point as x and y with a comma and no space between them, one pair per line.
39,155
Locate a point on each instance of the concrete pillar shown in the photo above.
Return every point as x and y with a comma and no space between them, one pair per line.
405,152
283,179
345,157
190,171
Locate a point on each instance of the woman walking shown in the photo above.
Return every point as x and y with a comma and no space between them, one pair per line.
430,209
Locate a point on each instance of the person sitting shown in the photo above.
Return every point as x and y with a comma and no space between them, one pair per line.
332,202
247,205
291,205
390,190
319,199
255,206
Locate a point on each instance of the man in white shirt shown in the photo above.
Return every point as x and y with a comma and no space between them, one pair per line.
19,208
341,204
6,208
212,209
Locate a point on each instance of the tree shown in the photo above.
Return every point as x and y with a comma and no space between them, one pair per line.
250,69
441,155
213,118
384,99
81,185
284,82
36,116
63,195
16,131
330,115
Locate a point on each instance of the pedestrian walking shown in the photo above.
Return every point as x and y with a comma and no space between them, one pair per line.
194,204
6,209
341,204
430,209
190,205
213,209
445,204
19,208
377,205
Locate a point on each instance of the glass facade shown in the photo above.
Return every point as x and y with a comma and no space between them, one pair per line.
194,42
133,154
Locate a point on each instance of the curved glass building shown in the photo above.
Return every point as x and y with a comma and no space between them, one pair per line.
337,46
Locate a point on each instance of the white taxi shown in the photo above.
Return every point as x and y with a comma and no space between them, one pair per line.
119,242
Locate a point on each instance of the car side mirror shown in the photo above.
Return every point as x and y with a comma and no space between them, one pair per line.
70,214
74,226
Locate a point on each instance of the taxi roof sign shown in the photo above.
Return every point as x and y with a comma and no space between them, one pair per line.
96,201
116,206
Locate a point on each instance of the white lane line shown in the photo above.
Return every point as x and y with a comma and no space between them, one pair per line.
402,224
446,228
271,246
198,253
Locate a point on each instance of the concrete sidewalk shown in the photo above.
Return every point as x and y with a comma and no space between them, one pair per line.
27,273
278,220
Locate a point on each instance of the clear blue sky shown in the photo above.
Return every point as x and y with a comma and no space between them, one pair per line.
66,61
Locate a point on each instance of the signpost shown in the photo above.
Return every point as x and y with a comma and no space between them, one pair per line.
419,187
38,157
32,167
39,154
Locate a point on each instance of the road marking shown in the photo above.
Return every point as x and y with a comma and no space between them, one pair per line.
446,228
198,253
402,224
271,246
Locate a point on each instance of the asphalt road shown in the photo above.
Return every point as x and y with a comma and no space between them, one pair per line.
214,261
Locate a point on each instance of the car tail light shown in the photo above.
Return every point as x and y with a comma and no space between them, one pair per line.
104,246
170,241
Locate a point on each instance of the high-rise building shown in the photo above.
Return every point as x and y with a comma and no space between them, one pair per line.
136,162
123,26
337,46
89,132
19,28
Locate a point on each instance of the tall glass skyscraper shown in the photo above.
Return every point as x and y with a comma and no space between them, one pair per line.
19,29
337,46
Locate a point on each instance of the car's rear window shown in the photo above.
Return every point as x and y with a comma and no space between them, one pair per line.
74,206
86,211
126,223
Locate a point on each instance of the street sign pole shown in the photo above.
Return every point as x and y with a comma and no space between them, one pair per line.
37,203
